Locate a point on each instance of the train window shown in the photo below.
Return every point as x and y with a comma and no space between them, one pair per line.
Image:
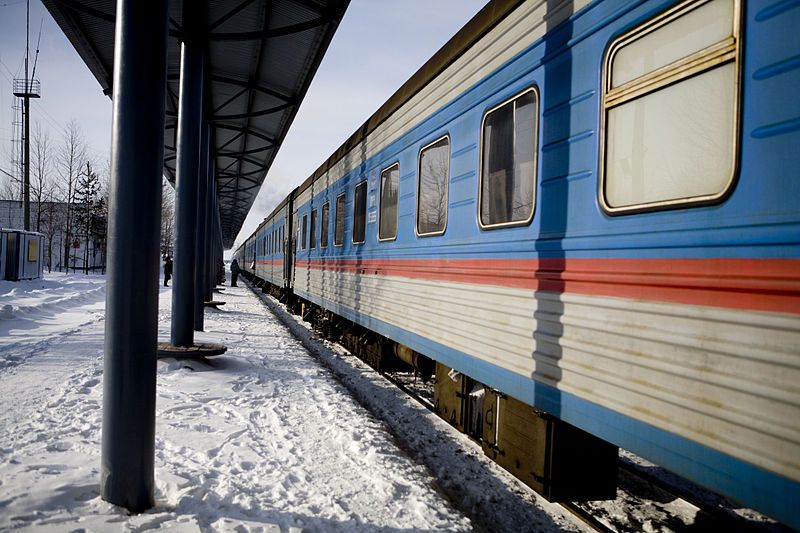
304,232
433,177
508,162
313,231
323,233
338,228
360,213
671,109
390,183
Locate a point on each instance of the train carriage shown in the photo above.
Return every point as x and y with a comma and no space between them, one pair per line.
271,247
591,207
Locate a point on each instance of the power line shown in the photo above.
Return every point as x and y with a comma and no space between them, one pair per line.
8,69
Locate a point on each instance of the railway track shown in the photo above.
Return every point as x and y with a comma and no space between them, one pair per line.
645,500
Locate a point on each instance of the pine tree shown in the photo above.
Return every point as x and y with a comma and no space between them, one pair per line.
86,198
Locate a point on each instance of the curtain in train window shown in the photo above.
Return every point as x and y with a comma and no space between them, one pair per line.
671,108
304,232
390,182
360,213
434,173
323,233
508,162
338,230
313,231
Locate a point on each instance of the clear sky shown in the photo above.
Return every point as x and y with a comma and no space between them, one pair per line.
378,46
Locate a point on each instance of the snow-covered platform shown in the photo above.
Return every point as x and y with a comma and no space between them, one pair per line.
263,437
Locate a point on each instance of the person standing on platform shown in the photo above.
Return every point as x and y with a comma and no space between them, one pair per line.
234,272
167,270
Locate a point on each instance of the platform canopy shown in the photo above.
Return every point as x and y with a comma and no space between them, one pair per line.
261,57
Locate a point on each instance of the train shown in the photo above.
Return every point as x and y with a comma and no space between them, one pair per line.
581,219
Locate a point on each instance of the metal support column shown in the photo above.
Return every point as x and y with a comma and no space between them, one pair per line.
210,259
134,226
200,229
216,239
188,163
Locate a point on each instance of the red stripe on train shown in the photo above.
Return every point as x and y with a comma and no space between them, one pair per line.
758,284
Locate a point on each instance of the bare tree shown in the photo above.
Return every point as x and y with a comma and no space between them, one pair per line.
9,187
71,158
41,184
44,191
53,221
167,217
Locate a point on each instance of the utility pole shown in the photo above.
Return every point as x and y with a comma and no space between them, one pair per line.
27,89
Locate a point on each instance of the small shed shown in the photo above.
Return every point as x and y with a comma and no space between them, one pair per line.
23,254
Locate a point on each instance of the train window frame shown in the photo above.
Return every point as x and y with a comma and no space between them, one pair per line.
312,231
537,105
355,206
336,224
697,63
324,222
396,205
428,146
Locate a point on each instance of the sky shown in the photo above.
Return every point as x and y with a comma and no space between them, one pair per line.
378,46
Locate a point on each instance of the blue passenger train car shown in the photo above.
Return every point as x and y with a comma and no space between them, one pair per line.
591,207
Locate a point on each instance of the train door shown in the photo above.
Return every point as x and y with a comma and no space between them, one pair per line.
292,244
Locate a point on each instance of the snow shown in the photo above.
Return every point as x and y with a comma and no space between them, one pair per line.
275,435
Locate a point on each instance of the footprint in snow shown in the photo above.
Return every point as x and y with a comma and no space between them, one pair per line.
59,446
